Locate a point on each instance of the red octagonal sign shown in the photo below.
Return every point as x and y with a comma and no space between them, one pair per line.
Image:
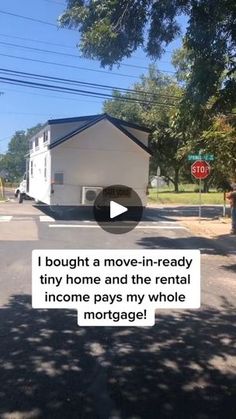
200,169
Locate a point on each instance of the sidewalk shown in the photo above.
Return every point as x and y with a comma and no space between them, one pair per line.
217,229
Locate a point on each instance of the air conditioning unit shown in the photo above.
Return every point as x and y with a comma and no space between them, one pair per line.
89,194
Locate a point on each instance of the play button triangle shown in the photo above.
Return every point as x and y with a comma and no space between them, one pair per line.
116,209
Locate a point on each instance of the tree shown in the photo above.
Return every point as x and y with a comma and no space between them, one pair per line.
220,140
157,99
214,131
113,29
13,163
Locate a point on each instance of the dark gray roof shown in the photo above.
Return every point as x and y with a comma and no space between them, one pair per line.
92,120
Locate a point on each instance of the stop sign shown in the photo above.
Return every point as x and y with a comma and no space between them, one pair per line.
200,169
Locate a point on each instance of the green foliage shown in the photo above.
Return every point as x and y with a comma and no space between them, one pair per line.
122,109
110,29
113,29
13,163
181,61
174,133
162,95
210,41
220,140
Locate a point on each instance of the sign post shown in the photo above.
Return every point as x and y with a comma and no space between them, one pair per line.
200,169
158,175
200,200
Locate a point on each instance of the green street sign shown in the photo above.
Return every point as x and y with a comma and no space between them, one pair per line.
192,157
207,157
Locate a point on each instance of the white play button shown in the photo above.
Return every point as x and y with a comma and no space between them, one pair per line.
116,209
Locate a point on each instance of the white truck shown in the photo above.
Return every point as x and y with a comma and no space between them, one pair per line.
20,191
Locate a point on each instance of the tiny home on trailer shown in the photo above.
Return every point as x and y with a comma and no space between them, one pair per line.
71,160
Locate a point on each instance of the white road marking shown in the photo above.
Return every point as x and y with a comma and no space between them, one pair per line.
42,218
164,227
46,219
5,218
22,218
143,227
133,222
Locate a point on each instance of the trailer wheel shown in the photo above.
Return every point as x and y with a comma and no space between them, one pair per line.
21,198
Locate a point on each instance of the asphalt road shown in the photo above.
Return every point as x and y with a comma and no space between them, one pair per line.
183,367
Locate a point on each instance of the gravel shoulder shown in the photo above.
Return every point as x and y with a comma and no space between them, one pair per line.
212,228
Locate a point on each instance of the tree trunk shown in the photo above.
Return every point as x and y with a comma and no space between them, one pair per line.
176,180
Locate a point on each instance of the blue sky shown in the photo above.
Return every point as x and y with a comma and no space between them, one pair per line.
22,107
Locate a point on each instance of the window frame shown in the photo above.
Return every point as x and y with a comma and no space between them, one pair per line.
36,147
45,137
54,179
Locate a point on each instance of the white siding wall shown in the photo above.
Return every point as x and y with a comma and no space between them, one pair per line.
39,185
100,156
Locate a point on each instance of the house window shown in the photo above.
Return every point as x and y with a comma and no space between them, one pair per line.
31,168
45,136
59,178
36,143
45,168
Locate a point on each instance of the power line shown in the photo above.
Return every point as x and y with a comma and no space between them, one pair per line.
45,22
40,41
62,89
78,82
52,97
29,18
69,66
75,91
72,55
54,25
37,41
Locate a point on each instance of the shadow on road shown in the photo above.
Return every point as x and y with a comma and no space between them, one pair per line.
83,213
86,213
207,246
169,214
207,211
229,267
226,240
60,212
181,368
